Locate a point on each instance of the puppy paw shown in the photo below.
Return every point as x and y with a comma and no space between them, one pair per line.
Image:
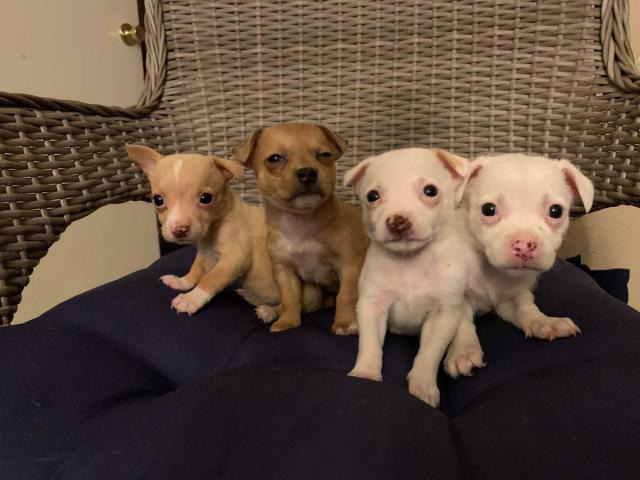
426,389
266,313
341,329
462,359
285,323
550,328
190,302
177,283
366,372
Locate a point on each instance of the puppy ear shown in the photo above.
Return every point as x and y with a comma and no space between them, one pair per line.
229,168
354,176
243,152
336,140
472,172
581,187
457,167
146,158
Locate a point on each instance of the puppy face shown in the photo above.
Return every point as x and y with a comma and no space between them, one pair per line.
294,164
519,208
189,192
406,195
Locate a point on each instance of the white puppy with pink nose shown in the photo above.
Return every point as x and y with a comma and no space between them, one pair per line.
516,209
413,278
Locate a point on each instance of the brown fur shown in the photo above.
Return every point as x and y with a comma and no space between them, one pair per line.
324,233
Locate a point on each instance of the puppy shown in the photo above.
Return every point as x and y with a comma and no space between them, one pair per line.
312,236
516,209
195,205
413,279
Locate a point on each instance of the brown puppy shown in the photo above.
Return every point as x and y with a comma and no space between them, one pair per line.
312,236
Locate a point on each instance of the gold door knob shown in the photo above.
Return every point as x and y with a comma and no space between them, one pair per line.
131,35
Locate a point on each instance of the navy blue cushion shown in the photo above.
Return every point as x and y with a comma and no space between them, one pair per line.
114,384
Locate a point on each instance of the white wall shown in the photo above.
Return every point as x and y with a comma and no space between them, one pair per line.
70,49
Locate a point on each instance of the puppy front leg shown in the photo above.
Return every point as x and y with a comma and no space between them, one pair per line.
522,312
437,332
290,298
465,353
226,270
372,327
188,281
345,322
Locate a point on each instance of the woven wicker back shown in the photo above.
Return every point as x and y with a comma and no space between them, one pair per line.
547,77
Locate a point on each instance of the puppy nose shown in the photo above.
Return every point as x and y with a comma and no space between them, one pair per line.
307,176
180,231
398,223
524,246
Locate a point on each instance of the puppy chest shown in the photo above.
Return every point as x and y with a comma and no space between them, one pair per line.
309,257
407,314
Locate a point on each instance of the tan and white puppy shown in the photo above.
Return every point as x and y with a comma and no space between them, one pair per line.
413,279
195,205
516,209
312,236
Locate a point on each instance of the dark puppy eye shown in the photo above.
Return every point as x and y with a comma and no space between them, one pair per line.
275,158
555,211
206,198
430,190
158,201
325,155
489,209
372,196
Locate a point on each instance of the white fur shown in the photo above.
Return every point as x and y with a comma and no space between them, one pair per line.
522,187
190,302
414,285
297,242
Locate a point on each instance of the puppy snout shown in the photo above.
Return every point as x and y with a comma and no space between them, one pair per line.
398,224
307,176
524,246
180,231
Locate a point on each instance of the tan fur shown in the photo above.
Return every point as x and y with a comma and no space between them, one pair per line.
230,234
312,237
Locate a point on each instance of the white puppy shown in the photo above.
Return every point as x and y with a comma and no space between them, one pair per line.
517,212
413,277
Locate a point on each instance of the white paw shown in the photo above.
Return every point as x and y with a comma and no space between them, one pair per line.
266,313
426,389
177,283
351,329
190,302
550,328
462,359
370,373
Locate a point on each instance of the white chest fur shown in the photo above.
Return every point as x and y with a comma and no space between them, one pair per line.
297,244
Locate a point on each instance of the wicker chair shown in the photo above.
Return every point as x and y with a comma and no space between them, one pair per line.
555,78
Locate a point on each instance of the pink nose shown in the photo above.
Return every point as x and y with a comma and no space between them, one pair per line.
180,231
524,246
398,224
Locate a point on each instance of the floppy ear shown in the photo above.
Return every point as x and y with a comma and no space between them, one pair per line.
581,187
338,142
243,152
457,167
472,172
229,168
354,176
146,158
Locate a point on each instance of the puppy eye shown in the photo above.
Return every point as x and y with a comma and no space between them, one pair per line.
489,209
158,201
430,190
372,196
555,211
275,158
324,155
206,198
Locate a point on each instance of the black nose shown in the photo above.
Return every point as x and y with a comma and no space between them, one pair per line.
307,176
